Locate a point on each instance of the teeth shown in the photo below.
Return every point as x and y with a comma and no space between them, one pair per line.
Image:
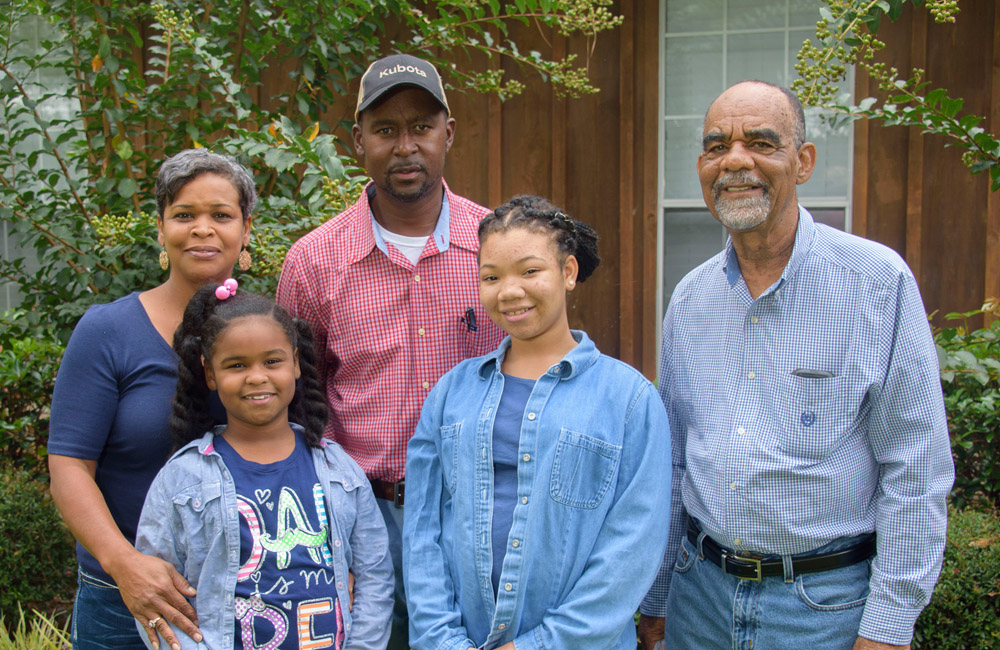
739,188
517,313
257,397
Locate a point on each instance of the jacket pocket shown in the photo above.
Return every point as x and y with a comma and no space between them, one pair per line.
200,512
449,455
583,469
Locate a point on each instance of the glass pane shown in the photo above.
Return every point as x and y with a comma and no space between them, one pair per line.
830,178
833,217
756,56
693,73
803,13
689,238
701,16
755,14
682,148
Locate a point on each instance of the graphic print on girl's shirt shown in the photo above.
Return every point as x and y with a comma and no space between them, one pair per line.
286,596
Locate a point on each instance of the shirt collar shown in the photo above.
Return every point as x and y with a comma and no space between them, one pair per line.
575,362
805,232
441,234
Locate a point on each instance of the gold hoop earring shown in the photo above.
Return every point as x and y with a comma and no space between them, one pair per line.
244,261
164,259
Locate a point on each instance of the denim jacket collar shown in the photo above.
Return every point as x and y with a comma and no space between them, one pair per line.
576,360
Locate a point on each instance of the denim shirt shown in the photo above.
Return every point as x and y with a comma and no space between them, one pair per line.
190,519
591,516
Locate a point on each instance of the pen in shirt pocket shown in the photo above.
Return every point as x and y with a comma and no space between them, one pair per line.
810,373
470,320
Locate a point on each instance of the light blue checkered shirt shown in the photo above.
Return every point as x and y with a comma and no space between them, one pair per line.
777,463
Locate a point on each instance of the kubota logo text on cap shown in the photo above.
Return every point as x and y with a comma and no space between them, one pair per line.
402,68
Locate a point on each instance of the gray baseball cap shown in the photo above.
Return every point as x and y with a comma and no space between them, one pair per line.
397,70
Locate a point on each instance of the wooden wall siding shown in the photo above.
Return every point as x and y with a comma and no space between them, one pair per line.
912,192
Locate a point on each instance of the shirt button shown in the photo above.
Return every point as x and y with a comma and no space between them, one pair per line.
741,430
753,319
524,499
336,542
508,587
526,457
751,375
554,370
531,416
737,541
426,384
416,278
501,627
733,486
421,331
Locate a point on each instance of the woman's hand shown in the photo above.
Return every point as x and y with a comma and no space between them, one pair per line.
155,592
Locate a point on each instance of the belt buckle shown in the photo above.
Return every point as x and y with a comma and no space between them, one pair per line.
398,492
753,562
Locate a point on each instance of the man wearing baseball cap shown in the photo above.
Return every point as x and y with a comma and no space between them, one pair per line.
390,286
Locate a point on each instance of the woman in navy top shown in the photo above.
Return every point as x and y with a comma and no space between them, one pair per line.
110,433
538,479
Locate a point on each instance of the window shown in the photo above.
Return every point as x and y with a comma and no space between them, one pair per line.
708,46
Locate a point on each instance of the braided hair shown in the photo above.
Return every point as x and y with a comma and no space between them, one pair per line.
205,318
571,236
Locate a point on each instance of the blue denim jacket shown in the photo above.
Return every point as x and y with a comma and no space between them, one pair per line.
190,520
590,522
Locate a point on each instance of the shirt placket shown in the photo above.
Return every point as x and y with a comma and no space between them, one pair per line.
745,344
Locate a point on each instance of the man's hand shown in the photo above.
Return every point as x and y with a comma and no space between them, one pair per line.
651,629
867,644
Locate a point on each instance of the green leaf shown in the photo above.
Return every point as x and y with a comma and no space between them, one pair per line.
104,49
951,107
126,188
124,149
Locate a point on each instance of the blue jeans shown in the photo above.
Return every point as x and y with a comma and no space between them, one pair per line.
399,639
710,610
100,619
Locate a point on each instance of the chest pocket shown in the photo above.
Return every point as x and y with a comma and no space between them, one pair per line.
200,512
814,415
449,455
583,469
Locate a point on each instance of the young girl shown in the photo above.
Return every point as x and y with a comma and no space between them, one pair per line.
262,516
538,480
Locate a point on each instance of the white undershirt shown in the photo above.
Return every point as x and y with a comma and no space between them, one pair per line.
410,247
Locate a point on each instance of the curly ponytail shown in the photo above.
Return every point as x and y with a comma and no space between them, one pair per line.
572,236
205,318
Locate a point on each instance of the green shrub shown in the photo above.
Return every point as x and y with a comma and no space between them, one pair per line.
37,558
40,633
27,374
964,613
970,375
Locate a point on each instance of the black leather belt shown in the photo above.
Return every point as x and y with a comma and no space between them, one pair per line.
389,491
755,568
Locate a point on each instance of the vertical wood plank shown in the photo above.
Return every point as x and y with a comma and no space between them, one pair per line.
648,92
557,127
627,282
494,148
915,160
992,266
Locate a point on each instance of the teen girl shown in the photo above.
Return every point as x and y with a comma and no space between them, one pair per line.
538,480
263,517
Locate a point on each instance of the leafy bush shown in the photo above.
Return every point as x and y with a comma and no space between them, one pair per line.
970,375
110,89
37,555
40,633
964,613
27,374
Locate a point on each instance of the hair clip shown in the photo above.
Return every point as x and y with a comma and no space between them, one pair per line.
569,222
226,289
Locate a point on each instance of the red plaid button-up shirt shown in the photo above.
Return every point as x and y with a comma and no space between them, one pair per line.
385,329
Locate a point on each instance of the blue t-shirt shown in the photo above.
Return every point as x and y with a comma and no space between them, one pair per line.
286,596
506,437
111,403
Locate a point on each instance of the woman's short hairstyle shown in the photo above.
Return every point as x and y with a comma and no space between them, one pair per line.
182,168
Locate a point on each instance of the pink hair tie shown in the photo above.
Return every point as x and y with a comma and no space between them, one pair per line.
226,289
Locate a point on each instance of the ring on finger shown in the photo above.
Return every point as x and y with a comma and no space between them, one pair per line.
153,621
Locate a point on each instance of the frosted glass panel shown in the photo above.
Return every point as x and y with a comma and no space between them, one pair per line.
755,14
689,238
756,56
699,16
694,68
803,13
831,177
682,148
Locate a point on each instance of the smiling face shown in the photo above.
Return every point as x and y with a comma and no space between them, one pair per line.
750,162
403,141
203,230
253,368
523,283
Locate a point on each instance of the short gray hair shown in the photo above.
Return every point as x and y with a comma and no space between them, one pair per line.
182,168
